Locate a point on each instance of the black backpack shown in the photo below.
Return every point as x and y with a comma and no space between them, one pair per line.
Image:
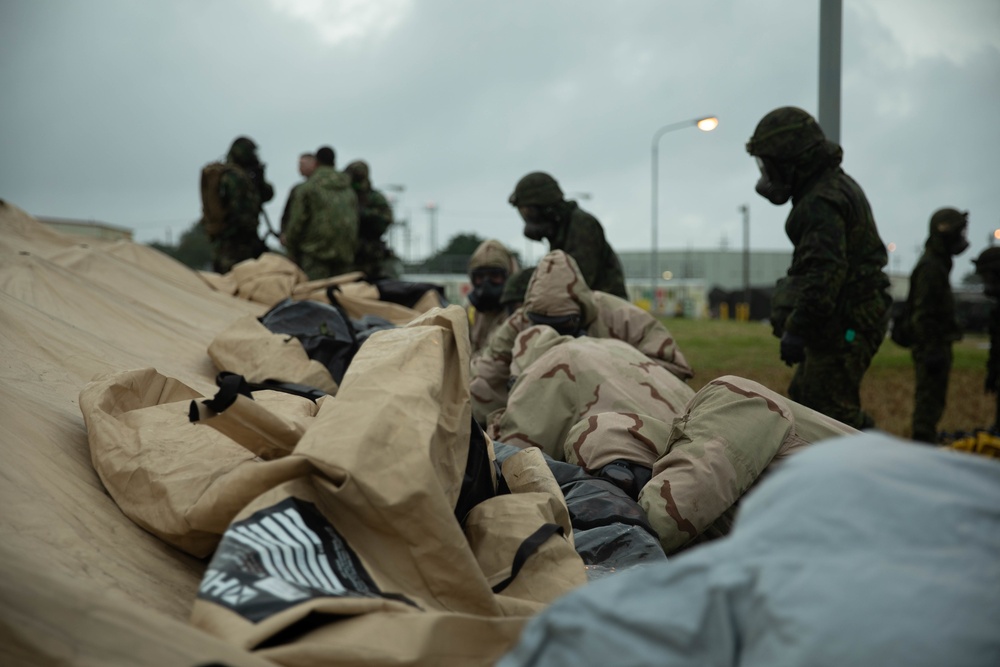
325,332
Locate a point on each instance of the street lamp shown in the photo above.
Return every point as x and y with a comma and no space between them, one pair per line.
703,123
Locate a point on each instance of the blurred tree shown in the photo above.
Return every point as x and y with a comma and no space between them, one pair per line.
454,257
194,249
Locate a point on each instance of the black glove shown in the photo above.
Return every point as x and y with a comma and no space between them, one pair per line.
793,349
992,382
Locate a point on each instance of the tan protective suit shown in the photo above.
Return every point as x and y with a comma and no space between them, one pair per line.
557,289
562,380
490,254
703,462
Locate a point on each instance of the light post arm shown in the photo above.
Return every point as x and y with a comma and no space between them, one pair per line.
704,123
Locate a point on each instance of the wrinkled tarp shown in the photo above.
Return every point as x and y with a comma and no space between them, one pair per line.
70,310
862,550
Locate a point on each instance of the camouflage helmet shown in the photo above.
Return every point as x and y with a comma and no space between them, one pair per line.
536,189
357,170
243,152
948,222
785,133
516,287
988,261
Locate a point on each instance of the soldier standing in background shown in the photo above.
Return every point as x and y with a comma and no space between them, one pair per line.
836,289
373,255
567,227
932,319
307,165
322,232
988,266
242,193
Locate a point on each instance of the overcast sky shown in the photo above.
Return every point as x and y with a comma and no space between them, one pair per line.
109,108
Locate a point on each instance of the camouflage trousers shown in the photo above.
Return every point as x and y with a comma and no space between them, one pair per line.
829,381
931,391
227,251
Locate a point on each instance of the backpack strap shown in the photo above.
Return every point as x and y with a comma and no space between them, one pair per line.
530,545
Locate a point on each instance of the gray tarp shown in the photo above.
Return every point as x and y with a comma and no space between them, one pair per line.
863,550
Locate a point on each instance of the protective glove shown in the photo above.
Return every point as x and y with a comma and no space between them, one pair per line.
793,349
992,382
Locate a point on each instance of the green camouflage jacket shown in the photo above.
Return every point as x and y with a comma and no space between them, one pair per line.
243,201
323,223
582,237
932,305
556,288
837,262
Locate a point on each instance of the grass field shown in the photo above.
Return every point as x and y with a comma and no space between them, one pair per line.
748,349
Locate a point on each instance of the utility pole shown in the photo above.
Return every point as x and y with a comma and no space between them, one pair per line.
432,212
830,28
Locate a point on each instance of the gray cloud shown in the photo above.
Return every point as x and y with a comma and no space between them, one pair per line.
110,107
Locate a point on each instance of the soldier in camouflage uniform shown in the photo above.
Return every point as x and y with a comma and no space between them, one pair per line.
988,266
932,319
567,227
373,256
835,293
728,435
489,268
322,233
307,165
243,191
558,297
559,380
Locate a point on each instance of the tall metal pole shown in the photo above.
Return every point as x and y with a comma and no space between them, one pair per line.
432,210
705,123
830,29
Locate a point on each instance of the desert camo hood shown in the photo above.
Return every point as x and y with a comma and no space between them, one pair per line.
557,288
492,254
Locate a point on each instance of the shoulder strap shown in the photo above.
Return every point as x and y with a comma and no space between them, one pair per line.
531,544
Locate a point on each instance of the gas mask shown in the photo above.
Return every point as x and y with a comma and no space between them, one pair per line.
958,243
536,227
565,325
771,185
487,288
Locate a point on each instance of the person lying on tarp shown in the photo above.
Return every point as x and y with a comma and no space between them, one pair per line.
557,296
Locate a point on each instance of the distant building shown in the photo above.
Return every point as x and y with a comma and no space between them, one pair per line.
87,228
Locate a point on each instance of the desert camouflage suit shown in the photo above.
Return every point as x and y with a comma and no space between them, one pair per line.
491,254
835,289
374,219
557,289
935,328
322,232
703,461
560,380
243,191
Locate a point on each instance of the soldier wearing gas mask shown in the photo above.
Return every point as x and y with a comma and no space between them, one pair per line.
835,303
539,200
932,318
988,268
490,266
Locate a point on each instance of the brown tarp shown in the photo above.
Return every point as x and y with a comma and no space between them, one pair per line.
80,582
